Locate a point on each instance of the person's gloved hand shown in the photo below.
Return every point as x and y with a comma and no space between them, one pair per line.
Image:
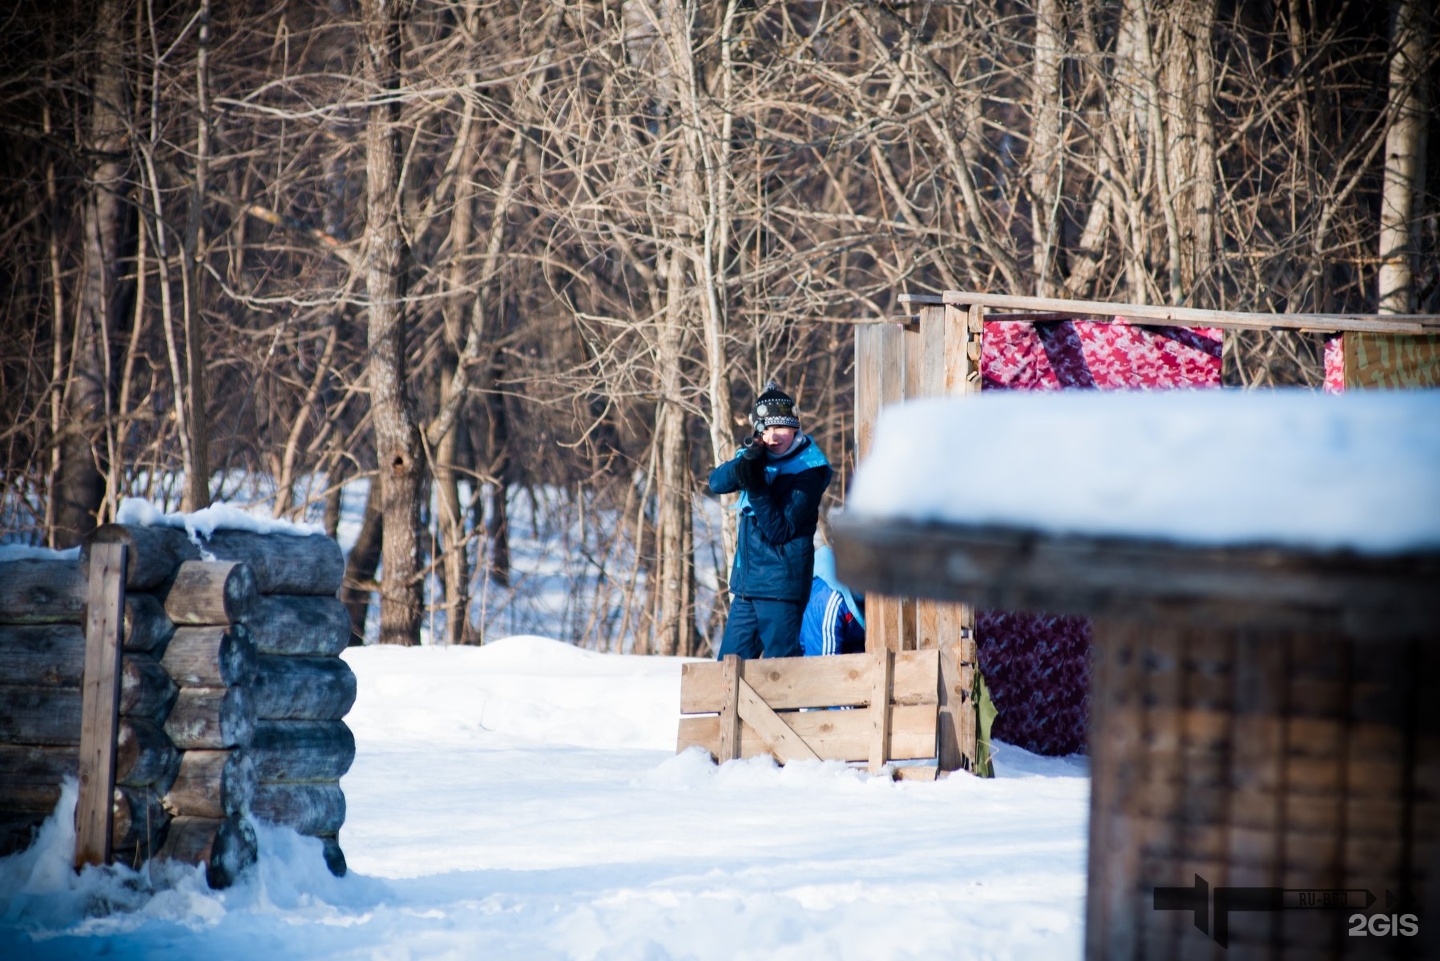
750,465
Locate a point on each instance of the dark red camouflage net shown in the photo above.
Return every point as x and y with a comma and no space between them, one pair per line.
1037,666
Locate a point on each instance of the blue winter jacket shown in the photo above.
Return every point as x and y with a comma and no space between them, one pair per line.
774,556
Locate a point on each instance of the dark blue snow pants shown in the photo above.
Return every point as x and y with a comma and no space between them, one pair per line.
759,627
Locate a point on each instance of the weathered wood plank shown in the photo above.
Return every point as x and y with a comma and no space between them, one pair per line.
144,755
958,656
213,656
210,592
302,750
30,775
298,625
53,656
302,688
226,846
729,708
100,703
42,655
1191,316
35,591
284,564
882,682
867,385
786,683
212,784
39,715
841,735
784,743
152,553
310,808
1232,587
206,718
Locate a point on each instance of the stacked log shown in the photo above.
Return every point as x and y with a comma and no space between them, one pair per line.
211,659
301,690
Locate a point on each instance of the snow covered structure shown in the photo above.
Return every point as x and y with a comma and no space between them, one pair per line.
1036,664
230,697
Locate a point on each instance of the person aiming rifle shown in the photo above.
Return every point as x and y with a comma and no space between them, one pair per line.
781,475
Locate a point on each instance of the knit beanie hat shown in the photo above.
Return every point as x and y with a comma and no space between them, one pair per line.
774,408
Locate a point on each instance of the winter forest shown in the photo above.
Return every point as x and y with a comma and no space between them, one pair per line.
514,261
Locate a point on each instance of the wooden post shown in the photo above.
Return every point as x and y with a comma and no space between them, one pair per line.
955,337
730,710
880,374
880,708
100,704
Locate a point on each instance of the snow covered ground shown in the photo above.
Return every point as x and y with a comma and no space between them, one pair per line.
523,801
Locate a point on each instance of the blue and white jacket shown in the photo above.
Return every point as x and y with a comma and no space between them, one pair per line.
774,555
833,622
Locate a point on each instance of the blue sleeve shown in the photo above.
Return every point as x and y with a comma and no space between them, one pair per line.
780,521
723,479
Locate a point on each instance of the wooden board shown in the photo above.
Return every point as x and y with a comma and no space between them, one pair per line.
786,683
1265,588
842,735
34,591
1189,316
100,704
42,655
30,775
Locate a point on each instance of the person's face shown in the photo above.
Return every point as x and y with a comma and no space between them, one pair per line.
777,439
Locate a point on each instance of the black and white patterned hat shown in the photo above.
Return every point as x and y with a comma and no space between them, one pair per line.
774,408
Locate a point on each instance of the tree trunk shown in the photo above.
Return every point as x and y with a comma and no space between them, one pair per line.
674,606
1046,146
363,561
397,439
80,488
197,467
1404,158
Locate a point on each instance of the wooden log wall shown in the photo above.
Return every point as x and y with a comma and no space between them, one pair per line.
301,691
231,695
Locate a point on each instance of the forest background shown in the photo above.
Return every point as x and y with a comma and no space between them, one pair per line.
475,249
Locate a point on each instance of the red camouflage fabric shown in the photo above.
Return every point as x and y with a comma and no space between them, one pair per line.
1037,666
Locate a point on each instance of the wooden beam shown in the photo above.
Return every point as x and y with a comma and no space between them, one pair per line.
834,735
880,709
100,704
1258,587
787,683
784,742
730,710
1195,317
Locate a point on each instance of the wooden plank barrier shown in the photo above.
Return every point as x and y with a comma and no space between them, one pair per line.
780,706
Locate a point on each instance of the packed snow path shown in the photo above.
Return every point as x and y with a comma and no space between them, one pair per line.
523,801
